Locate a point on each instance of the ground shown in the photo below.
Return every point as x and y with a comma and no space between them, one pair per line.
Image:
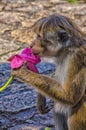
17,107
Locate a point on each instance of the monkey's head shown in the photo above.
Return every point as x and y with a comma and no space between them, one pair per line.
54,33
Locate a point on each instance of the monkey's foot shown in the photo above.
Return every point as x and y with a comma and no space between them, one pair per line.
41,104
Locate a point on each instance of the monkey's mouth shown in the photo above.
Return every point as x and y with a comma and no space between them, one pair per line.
38,53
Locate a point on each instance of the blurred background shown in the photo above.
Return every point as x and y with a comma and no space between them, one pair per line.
17,16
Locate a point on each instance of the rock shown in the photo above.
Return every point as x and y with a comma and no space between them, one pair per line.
23,35
57,1
1,6
18,102
17,18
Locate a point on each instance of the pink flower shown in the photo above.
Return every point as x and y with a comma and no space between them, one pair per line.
29,56
16,61
26,56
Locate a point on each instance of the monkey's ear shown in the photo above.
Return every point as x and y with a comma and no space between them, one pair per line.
63,35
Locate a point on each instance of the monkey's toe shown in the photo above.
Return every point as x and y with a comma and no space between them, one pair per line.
43,109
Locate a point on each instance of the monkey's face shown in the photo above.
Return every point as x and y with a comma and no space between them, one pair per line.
50,43
55,33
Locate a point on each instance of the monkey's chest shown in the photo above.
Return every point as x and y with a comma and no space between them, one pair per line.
61,108
61,73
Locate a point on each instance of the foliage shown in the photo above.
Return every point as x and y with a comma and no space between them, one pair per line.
47,128
73,1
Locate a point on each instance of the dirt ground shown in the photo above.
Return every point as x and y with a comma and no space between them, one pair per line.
17,17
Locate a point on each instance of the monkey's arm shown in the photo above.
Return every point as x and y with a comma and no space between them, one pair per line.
69,94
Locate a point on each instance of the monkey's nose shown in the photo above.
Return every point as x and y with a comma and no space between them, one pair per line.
31,46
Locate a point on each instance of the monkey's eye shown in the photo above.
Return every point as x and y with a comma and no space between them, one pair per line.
38,36
63,35
47,42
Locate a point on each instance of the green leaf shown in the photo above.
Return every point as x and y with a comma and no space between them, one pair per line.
47,128
73,1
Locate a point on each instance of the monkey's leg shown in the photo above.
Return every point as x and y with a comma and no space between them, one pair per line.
77,125
60,121
60,116
41,104
77,116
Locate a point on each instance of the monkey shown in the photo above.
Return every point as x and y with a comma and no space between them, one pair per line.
59,37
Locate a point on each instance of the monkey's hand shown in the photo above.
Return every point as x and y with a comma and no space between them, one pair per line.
41,104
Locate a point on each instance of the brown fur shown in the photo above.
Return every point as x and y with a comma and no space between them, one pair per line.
68,86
